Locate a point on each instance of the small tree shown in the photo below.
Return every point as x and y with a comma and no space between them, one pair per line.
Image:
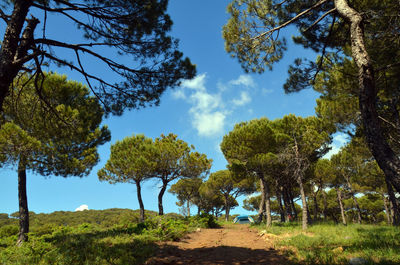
187,190
175,159
130,161
58,138
230,188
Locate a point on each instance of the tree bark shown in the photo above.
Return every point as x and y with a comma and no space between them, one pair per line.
227,207
316,209
23,204
139,196
387,209
267,204
10,45
339,196
288,207
293,206
279,198
386,158
354,198
261,208
188,207
325,204
304,201
160,198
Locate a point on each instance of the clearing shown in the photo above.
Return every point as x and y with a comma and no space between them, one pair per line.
231,244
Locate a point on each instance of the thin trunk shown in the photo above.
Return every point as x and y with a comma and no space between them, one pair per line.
23,204
139,196
160,198
227,207
198,210
288,207
387,210
188,207
324,196
279,198
316,209
339,196
394,205
294,210
267,204
386,158
354,198
304,201
261,208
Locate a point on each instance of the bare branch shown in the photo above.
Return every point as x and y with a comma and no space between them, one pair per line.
4,16
291,20
320,18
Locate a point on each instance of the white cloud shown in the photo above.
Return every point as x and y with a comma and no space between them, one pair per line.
82,208
197,83
245,80
209,124
243,100
179,94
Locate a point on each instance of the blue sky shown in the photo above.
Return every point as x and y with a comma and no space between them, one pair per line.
200,112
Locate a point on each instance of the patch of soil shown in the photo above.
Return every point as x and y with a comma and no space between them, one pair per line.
233,244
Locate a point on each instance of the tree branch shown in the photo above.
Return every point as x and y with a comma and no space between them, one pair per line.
290,21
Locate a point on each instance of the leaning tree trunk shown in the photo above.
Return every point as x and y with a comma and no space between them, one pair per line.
339,196
141,205
14,48
261,208
294,210
387,160
23,204
160,198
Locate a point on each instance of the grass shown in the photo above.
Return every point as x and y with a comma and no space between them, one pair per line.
87,243
336,244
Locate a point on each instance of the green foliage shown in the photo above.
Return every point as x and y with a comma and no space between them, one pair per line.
60,137
95,237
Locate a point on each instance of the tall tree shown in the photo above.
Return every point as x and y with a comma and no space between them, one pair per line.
137,29
130,161
58,139
175,159
252,35
308,141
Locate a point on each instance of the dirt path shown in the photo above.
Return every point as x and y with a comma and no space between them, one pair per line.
232,244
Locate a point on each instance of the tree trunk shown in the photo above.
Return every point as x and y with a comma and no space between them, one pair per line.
354,198
261,208
267,204
304,201
11,44
160,198
139,196
227,207
325,205
279,198
188,207
387,209
294,210
23,204
288,207
387,160
394,205
339,196
316,209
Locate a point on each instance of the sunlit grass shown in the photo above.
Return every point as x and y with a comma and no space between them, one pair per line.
337,244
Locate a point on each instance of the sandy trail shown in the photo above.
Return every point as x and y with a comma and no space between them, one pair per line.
233,244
